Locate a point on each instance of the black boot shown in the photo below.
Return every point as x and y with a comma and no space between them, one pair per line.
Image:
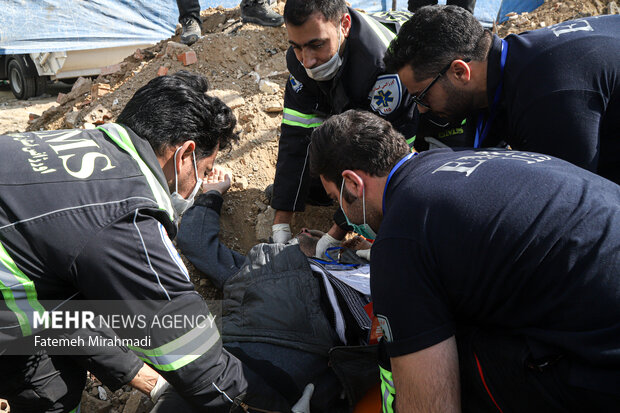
259,12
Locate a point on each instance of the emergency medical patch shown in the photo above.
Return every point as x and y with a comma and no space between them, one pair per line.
386,94
296,84
385,326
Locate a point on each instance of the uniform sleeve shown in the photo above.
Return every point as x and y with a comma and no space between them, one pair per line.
390,99
198,240
133,262
291,184
409,301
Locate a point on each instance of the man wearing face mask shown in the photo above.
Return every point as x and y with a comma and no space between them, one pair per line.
86,217
336,63
495,274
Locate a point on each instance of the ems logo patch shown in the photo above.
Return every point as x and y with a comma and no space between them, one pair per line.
386,94
385,326
296,84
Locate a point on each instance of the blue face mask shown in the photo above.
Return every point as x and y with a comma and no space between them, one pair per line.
364,230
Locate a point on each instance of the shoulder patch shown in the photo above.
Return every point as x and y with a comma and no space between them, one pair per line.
385,326
296,84
386,95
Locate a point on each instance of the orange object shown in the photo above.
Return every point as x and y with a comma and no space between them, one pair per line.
371,402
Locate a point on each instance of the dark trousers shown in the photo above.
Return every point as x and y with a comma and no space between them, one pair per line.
189,8
466,4
499,374
41,383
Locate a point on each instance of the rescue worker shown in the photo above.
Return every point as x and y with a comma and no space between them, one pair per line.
554,90
335,63
499,267
86,216
252,11
276,315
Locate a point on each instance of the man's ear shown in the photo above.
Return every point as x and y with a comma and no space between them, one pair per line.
345,20
460,71
185,154
353,182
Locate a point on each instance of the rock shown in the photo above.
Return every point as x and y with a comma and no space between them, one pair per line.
103,395
98,115
162,71
94,405
264,221
62,98
230,97
204,282
71,119
274,109
612,8
268,87
138,55
133,403
241,182
173,49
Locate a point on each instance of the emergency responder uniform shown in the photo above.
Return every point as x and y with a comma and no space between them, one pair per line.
361,83
87,215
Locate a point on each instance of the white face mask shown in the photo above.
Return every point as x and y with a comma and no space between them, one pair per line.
328,70
179,203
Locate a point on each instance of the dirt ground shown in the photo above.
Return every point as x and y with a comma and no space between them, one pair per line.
237,59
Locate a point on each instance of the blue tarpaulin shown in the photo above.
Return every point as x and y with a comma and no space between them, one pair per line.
31,26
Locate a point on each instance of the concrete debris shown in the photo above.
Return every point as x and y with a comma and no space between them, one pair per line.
138,55
268,87
230,97
80,87
71,119
98,115
612,8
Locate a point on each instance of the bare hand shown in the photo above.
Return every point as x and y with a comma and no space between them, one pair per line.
145,379
217,180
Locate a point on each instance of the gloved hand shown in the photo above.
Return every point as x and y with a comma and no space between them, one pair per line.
326,241
159,389
365,254
281,233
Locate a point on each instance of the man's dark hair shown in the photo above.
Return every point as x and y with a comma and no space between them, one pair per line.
170,110
355,140
434,37
296,12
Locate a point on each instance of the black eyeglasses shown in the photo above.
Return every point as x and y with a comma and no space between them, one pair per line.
418,99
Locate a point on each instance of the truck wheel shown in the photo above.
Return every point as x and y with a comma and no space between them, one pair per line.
23,84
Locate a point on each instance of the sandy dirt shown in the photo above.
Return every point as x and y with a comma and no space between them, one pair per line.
235,58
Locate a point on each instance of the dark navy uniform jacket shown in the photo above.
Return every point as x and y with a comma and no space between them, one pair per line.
87,215
561,93
361,83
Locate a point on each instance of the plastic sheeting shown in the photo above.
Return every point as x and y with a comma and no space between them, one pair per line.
31,26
